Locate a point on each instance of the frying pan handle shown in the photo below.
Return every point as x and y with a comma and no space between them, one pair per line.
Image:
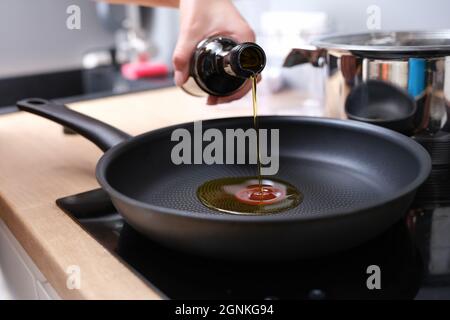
100,133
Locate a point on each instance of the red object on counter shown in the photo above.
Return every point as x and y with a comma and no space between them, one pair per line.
144,69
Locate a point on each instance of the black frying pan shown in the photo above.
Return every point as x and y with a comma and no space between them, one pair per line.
357,180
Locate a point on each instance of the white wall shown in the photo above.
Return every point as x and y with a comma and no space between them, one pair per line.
164,33
33,36
350,15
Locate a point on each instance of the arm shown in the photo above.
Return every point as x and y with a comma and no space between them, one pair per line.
200,19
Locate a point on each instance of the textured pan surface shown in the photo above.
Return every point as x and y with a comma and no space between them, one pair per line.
326,187
340,167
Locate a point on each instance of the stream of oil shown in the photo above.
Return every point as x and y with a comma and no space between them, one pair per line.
255,195
254,81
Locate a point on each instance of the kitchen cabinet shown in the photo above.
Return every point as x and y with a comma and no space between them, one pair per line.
19,276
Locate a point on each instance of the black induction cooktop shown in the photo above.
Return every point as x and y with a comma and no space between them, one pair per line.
413,258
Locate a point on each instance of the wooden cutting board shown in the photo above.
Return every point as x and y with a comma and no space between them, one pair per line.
39,164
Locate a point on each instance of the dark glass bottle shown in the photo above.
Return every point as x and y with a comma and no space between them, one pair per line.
220,66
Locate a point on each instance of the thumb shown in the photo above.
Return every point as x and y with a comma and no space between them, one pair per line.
181,59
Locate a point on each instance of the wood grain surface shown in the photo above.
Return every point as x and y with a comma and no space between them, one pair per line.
39,164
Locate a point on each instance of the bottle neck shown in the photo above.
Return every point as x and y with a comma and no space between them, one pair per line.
244,60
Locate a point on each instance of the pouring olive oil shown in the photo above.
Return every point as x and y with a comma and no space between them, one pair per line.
220,67
254,81
256,195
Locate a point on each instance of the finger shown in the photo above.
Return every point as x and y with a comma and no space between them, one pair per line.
231,98
242,92
181,66
181,58
211,100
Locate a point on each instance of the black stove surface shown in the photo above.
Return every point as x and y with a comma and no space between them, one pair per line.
413,258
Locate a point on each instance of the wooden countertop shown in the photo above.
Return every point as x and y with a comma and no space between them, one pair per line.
39,164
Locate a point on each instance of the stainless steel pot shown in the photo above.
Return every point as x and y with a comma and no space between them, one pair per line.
417,62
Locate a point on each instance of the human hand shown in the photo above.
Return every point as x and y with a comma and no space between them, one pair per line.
200,19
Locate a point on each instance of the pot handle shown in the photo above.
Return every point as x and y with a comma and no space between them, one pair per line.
312,55
101,134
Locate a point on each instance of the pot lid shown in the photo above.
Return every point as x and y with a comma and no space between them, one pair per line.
399,42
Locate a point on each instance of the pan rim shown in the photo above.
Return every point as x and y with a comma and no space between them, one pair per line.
415,148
